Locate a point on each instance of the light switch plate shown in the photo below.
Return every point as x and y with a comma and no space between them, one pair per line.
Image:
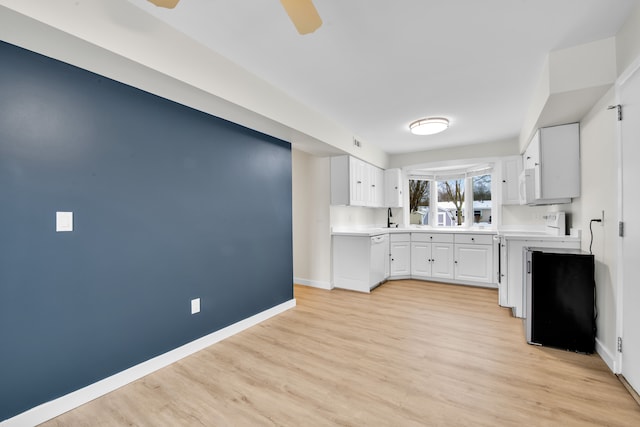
64,221
195,306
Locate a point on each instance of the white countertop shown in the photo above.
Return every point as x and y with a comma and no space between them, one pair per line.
513,233
375,231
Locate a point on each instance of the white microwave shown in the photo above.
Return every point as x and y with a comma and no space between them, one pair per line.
527,190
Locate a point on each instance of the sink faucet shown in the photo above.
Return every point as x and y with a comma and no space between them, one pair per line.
389,216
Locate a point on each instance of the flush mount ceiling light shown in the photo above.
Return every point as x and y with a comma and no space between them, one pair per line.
429,126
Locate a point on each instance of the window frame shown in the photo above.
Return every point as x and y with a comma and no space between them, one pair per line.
435,175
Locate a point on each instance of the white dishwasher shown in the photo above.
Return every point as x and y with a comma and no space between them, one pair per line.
358,261
379,258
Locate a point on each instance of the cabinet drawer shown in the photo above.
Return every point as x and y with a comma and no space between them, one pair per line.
432,237
399,237
475,239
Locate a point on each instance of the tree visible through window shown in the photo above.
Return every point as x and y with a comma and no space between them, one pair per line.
419,199
482,199
453,191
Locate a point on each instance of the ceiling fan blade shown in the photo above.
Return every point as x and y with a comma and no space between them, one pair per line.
169,4
303,14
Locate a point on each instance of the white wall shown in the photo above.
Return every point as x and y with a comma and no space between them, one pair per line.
533,215
311,227
598,141
356,216
507,147
628,41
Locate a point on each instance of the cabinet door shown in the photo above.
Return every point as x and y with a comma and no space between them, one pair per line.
474,263
400,259
393,188
442,260
421,259
511,169
387,263
558,172
504,276
357,182
531,156
374,186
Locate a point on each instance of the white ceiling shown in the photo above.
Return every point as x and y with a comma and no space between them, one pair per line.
374,66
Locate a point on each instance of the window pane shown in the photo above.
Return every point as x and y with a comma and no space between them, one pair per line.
451,203
419,201
482,199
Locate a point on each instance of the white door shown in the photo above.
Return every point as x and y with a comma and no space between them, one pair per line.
630,135
421,259
400,261
357,180
474,262
442,260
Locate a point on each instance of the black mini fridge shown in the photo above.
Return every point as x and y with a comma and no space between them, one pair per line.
560,299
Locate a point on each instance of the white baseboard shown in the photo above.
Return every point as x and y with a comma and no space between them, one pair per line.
52,409
607,356
313,283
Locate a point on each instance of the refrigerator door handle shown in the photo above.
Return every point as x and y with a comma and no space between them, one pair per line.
528,267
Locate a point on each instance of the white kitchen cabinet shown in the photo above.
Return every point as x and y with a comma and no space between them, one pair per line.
359,261
474,263
432,255
441,260
554,156
356,183
386,260
474,258
511,168
399,256
375,186
393,188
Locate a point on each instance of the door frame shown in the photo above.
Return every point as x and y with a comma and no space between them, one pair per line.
620,81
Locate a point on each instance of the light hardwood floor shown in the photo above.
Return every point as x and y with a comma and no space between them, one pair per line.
409,354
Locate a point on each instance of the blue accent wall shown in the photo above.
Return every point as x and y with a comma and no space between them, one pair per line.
169,204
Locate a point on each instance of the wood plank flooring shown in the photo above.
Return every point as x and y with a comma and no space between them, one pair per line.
410,353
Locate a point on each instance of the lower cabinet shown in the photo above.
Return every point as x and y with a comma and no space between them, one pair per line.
399,256
464,258
360,263
474,258
432,255
474,263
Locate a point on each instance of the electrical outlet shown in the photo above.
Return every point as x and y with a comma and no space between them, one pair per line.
195,306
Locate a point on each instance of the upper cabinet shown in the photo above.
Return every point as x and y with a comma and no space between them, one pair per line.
393,188
356,183
552,161
511,168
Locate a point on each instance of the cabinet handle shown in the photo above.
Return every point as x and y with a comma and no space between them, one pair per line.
455,262
473,239
358,182
504,180
528,157
536,164
373,185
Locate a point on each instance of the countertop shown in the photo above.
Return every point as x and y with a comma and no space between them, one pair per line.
375,231
527,234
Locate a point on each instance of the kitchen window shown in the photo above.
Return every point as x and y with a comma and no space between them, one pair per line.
451,197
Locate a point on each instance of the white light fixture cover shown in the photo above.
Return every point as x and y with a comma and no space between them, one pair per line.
429,126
